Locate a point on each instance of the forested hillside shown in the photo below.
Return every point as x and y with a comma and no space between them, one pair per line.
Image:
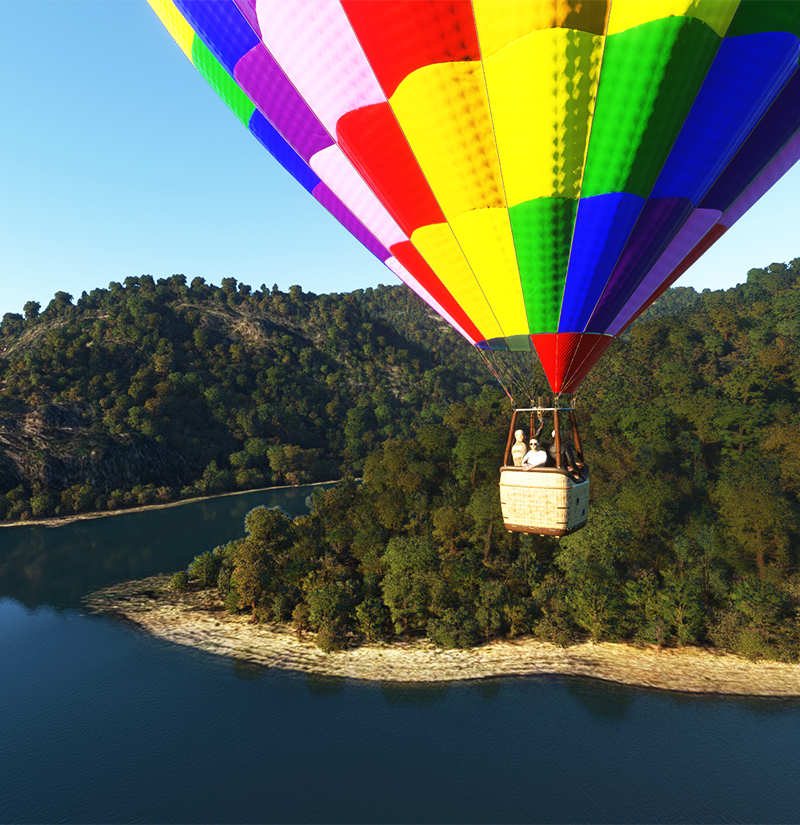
153,391
691,429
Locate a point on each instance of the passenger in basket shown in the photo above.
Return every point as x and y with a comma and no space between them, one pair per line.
535,457
567,456
518,451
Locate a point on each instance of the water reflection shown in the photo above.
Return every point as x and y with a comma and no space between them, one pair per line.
767,705
762,705
414,693
248,671
59,565
325,686
603,700
486,688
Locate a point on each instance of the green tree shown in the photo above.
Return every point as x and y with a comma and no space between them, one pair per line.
373,619
650,619
205,568
554,622
330,611
757,622
478,455
252,576
300,618
760,521
682,601
411,563
180,582
492,598
456,628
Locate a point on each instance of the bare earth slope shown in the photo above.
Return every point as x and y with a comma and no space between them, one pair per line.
198,619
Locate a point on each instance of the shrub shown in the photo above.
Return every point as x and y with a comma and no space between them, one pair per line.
180,582
300,618
205,568
330,637
456,628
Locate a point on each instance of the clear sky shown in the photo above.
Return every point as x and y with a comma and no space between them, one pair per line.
119,160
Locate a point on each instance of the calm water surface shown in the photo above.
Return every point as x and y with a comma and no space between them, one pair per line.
99,723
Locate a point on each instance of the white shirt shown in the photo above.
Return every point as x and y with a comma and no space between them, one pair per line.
534,458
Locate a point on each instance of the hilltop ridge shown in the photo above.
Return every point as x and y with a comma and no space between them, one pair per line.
152,391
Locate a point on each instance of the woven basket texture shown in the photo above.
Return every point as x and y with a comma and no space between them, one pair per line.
549,501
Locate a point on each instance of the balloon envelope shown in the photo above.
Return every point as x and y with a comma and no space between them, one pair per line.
538,171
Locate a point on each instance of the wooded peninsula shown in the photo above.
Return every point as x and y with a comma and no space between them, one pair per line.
152,392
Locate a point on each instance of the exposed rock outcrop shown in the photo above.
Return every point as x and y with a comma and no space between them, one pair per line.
58,445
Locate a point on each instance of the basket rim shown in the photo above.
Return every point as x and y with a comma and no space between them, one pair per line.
506,468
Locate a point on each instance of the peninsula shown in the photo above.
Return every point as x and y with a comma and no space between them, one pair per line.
198,619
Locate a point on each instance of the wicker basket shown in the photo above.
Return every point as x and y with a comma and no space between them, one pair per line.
545,501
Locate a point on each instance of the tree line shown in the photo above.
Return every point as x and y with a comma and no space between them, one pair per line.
688,423
233,388
690,426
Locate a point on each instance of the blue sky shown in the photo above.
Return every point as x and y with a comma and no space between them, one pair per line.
119,160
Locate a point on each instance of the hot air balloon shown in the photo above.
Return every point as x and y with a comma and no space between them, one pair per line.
537,171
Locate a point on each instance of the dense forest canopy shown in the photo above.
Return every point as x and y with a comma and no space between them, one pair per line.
689,424
693,536
152,391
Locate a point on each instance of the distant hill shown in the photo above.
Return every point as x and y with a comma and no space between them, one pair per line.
148,391
672,302
152,391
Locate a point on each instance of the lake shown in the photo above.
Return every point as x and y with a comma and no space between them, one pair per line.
100,723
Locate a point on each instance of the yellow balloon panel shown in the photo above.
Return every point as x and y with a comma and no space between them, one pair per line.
542,90
438,246
444,114
175,24
485,237
500,22
625,14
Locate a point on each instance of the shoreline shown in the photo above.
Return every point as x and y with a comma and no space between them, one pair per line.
60,521
198,619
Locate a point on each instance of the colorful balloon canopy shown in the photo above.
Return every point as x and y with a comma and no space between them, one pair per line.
538,171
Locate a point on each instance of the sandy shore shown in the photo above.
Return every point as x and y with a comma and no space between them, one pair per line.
198,619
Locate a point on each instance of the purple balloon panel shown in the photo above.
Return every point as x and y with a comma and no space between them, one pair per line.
771,175
658,224
350,222
689,235
278,100
248,10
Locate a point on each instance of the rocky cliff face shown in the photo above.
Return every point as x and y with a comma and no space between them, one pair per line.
58,445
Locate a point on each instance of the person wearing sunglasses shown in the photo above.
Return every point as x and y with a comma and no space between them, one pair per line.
535,457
